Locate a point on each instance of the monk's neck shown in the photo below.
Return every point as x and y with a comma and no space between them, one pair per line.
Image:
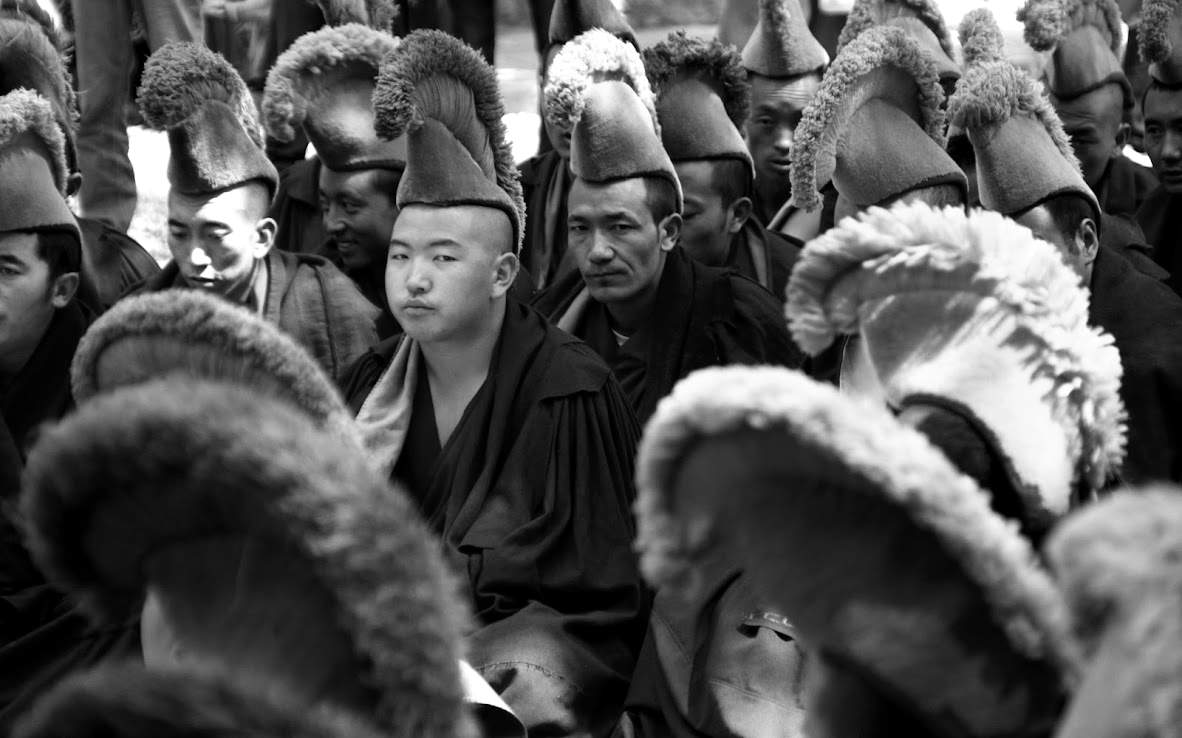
628,315
457,365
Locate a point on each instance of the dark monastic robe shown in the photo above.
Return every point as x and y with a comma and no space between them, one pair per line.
703,317
1160,218
1124,186
296,209
311,301
41,638
1121,234
111,263
765,257
1145,318
546,181
532,497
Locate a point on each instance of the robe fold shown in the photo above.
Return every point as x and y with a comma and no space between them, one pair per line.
112,262
1124,186
1145,318
546,181
296,209
532,497
311,301
1121,234
703,317
1160,218
765,257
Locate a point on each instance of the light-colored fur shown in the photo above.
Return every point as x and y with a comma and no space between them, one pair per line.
24,111
593,57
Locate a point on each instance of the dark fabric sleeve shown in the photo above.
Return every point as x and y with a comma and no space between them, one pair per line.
560,594
1152,391
351,321
755,332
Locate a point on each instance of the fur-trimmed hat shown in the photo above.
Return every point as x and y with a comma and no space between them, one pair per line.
782,46
1117,565
975,314
214,137
1085,37
921,19
883,557
702,98
324,84
875,128
443,96
1024,157
33,167
32,58
128,701
570,19
192,334
204,494
1161,40
598,90
376,14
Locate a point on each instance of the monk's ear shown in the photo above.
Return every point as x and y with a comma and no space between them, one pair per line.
73,183
264,237
1123,131
669,230
1088,238
63,290
505,269
737,215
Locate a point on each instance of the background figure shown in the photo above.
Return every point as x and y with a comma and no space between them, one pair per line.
104,63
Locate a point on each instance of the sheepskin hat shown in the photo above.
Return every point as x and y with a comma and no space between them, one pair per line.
921,19
32,58
1161,41
1117,564
883,557
570,19
702,98
1085,38
196,335
1024,157
973,313
443,96
128,701
204,494
782,46
214,138
32,167
376,14
324,84
875,128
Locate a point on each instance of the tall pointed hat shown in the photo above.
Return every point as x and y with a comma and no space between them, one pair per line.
875,128
1024,157
884,558
597,89
570,19
921,19
376,14
702,98
973,314
1161,40
285,559
443,96
33,167
782,46
214,138
1084,37
324,84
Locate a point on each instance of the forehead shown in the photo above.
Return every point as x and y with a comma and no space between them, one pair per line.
464,224
1038,219
358,182
232,204
1163,105
697,177
20,245
622,196
1105,104
772,93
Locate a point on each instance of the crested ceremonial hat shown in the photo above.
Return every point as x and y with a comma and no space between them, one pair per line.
570,19
377,14
1084,37
920,19
33,167
782,46
1160,33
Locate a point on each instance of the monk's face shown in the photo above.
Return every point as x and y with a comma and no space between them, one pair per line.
1163,136
776,109
28,296
710,219
447,268
1095,123
617,242
216,240
359,213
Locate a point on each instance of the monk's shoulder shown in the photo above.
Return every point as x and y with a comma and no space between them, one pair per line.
566,365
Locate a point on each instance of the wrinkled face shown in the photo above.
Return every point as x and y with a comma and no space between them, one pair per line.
27,294
616,243
1093,121
216,240
559,138
446,267
776,108
706,220
359,213
1163,136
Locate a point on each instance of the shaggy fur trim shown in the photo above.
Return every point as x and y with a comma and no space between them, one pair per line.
425,53
877,47
129,701
987,254
226,330
25,111
47,47
903,465
594,56
180,78
32,11
681,54
301,72
870,13
177,451
980,38
1047,22
377,14
1156,44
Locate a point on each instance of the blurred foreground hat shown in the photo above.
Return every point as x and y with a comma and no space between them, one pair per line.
33,167
920,19
1160,34
377,14
782,46
1084,37
570,19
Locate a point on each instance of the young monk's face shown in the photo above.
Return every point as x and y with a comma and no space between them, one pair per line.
359,210
1095,123
1163,136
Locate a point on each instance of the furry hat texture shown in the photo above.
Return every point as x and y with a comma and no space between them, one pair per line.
1161,26
883,253
1085,36
1048,22
980,38
922,20
26,116
572,18
32,166
683,55
595,56
412,98
165,463
782,46
128,701
377,14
